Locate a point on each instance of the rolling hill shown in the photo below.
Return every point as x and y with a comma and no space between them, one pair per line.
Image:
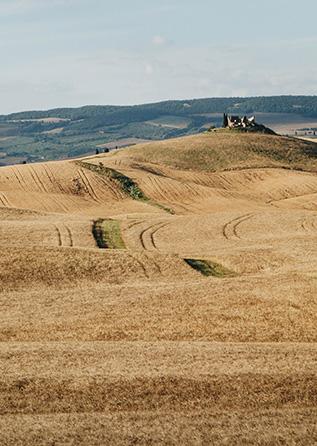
159,294
70,132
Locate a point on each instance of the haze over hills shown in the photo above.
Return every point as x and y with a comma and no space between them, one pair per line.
161,294
69,132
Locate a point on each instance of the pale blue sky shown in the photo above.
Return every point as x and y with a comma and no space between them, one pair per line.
75,52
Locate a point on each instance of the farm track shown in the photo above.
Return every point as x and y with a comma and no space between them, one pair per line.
38,185
289,195
147,235
18,178
54,181
135,223
141,264
230,229
157,187
168,190
152,235
148,243
64,235
115,191
51,178
22,178
88,185
38,180
4,200
70,236
309,225
59,236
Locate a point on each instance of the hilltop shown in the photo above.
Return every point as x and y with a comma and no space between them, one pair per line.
226,150
69,132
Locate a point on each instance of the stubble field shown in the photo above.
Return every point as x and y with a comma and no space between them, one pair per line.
135,346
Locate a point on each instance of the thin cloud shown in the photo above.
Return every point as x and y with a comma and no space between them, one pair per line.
149,69
159,40
15,7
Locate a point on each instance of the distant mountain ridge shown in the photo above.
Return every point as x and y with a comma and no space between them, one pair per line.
69,132
306,105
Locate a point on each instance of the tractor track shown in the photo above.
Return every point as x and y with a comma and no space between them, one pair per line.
141,265
64,235
155,232
229,230
53,181
4,200
70,236
35,181
157,187
109,184
87,185
50,177
59,204
135,223
23,183
150,233
39,179
93,193
308,225
150,244
17,178
143,235
59,236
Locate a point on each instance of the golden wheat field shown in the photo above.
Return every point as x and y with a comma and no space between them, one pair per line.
163,294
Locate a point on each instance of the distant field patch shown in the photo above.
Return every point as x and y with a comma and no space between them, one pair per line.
47,120
53,131
307,139
176,122
123,143
285,123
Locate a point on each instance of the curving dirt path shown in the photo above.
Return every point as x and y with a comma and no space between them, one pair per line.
147,235
230,229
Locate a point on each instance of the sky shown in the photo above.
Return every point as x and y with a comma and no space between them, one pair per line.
60,53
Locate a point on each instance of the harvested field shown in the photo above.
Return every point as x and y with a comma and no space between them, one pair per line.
196,321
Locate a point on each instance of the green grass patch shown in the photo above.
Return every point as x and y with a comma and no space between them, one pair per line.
129,186
107,234
209,268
